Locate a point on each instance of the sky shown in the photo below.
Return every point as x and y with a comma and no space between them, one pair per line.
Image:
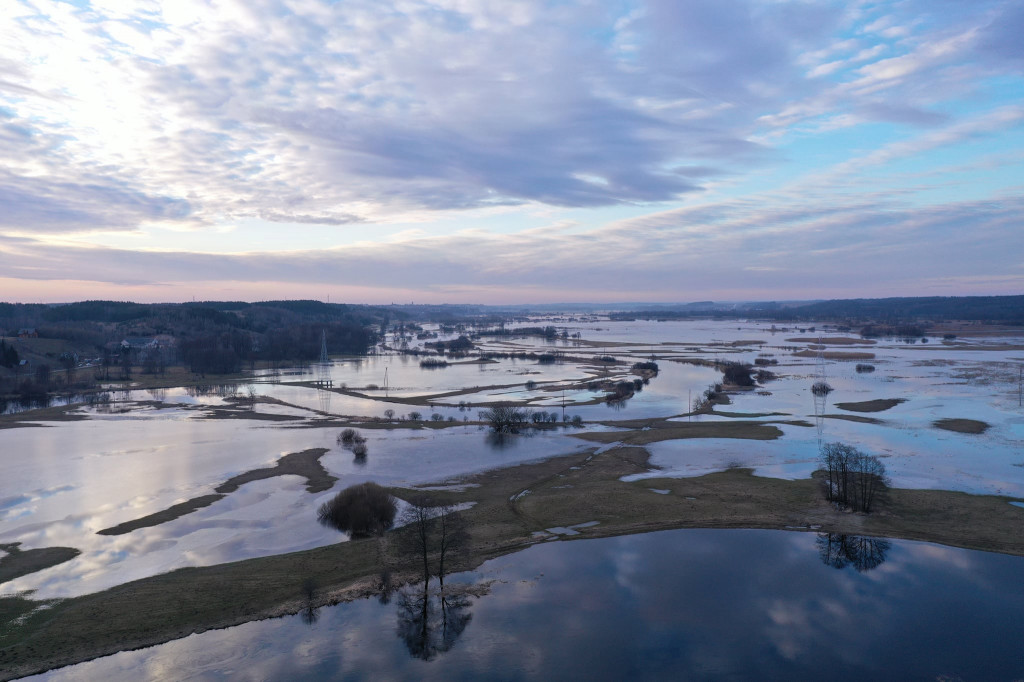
473,151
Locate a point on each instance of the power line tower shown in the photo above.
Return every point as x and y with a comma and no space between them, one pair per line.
323,367
820,389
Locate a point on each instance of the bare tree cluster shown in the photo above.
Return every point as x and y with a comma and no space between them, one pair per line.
854,478
506,417
434,531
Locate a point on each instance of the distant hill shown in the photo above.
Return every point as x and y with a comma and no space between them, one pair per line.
996,309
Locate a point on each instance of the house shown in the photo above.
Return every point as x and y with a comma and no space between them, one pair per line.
137,343
28,333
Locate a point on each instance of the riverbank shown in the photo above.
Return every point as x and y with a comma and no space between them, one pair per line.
514,507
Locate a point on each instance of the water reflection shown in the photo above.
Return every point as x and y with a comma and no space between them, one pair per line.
840,551
672,605
429,623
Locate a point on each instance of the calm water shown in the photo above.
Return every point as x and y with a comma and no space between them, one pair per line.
702,604
64,482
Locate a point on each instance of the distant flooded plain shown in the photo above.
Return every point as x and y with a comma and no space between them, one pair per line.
108,464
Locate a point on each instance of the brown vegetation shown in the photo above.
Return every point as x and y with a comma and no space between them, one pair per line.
17,562
973,426
563,491
876,405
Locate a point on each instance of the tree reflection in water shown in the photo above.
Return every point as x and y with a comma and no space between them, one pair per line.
840,551
430,623
310,614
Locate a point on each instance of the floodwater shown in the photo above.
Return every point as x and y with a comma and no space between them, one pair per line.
64,481
707,604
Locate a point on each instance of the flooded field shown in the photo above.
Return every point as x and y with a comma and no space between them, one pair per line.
93,467
676,604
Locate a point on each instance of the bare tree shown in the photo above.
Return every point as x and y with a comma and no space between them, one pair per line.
452,537
854,479
434,529
418,518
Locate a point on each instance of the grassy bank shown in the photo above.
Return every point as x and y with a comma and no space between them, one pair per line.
512,504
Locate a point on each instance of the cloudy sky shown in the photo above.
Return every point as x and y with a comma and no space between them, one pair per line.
512,151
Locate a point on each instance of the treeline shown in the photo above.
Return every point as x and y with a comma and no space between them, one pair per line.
886,311
257,316
228,351
208,337
8,355
893,311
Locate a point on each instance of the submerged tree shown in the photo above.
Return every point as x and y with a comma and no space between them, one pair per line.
506,417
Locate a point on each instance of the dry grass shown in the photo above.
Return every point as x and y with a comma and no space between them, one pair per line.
836,355
17,563
854,418
664,430
834,341
962,425
511,505
876,405
171,513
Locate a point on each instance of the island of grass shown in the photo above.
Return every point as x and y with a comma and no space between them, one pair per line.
17,562
973,426
571,490
876,405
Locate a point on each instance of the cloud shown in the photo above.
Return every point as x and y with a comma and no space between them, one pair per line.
739,249
115,117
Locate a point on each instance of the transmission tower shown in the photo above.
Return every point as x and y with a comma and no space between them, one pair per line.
323,368
820,390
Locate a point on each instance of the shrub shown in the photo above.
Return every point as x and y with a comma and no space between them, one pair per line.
621,391
359,450
362,510
606,358
864,368
415,416
738,373
821,388
346,436
650,366
433,363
